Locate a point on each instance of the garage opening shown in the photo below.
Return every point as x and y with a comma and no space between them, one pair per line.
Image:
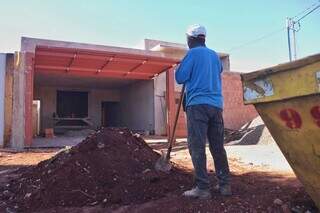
82,90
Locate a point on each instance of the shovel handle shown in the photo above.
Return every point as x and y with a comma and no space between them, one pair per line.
172,137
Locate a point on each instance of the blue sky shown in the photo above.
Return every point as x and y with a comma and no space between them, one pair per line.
126,22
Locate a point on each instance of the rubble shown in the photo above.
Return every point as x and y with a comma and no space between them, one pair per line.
108,167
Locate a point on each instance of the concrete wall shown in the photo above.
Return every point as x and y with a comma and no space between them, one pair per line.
48,98
8,103
160,109
2,97
137,106
18,101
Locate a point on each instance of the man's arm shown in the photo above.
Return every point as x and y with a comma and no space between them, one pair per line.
183,72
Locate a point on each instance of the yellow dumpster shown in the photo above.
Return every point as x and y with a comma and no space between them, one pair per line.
287,97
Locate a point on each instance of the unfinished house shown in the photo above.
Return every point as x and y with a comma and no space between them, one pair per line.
57,89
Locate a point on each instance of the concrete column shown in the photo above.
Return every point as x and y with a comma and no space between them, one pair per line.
18,118
2,97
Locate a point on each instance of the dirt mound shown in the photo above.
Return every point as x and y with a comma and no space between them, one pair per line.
110,167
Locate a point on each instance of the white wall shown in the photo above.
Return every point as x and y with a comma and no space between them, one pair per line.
160,109
2,88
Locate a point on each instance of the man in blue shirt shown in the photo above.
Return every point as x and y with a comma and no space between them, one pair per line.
200,71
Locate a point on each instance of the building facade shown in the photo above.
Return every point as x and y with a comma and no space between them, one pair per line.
73,86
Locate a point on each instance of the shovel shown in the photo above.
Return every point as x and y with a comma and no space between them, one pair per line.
163,163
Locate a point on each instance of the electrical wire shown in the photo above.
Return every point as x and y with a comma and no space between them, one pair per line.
304,11
314,9
258,39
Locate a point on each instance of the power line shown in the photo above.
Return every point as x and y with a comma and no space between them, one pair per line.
314,9
302,12
293,26
258,39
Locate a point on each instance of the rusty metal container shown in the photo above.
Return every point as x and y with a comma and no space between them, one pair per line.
287,97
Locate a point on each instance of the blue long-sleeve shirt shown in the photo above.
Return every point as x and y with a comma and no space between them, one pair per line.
200,71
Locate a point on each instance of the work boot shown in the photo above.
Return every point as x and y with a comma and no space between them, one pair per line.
224,190
202,194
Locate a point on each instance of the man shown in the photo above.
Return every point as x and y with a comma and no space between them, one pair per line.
200,71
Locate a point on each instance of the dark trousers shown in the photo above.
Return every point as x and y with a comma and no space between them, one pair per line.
206,122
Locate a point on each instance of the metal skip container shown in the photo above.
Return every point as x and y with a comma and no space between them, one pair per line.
287,97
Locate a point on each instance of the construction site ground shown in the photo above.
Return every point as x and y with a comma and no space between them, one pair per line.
262,181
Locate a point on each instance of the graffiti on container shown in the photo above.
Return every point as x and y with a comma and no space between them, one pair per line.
258,89
293,120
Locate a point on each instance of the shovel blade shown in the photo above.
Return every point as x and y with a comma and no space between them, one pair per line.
163,164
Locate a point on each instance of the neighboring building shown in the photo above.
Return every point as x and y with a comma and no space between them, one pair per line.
65,85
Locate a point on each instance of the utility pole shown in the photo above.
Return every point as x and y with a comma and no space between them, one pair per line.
289,21
293,25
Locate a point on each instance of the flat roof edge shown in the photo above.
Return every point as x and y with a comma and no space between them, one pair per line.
29,44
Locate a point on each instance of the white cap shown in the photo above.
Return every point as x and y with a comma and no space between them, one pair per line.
195,30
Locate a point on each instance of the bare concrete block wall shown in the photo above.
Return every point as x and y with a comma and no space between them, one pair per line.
235,113
137,106
2,97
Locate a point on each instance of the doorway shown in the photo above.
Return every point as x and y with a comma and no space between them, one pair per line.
110,114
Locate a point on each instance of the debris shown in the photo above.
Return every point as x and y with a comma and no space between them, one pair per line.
147,170
278,202
101,145
27,195
254,132
117,174
94,203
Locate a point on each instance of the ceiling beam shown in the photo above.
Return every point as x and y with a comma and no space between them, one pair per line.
105,64
94,74
71,62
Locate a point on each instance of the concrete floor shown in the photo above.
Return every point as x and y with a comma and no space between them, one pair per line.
268,156
56,142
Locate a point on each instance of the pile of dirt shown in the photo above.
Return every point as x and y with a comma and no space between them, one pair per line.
110,167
